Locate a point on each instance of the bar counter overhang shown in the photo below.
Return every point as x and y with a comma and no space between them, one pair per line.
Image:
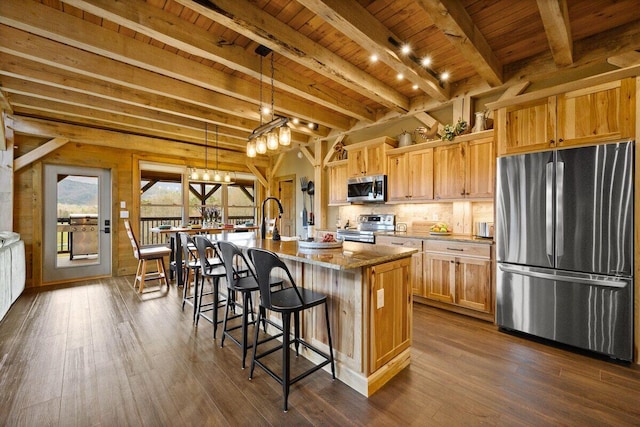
370,305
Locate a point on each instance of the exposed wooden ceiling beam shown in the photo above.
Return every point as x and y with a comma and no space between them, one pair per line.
359,25
246,19
50,23
555,18
38,152
454,21
586,52
5,105
124,141
624,60
181,34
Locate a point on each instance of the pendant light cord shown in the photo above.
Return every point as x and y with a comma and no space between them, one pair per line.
272,90
260,107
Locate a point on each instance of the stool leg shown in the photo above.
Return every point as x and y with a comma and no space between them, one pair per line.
224,323
286,324
216,301
326,316
255,342
197,299
296,331
245,315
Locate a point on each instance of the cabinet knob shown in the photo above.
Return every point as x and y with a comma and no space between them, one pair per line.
552,141
560,140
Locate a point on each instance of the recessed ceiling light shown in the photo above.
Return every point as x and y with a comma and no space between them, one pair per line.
445,76
374,58
426,61
405,49
296,121
415,87
311,126
400,76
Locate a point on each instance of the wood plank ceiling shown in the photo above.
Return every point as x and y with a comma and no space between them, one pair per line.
164,68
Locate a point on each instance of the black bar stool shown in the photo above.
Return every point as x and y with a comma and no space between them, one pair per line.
286,301
240,278
187,255
215,272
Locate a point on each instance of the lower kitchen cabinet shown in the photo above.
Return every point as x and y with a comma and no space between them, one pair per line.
459,275
417,282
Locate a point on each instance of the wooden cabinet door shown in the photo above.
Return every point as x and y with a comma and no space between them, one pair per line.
375,160
479,168
597,114
527,127
390,311
439,276
356,162
338,184
397,178
449,172
420,179
417,281
473,284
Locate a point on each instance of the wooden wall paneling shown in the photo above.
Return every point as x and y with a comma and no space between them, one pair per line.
636,291
6,174
37,218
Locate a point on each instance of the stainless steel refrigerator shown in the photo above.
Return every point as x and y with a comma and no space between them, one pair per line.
564,245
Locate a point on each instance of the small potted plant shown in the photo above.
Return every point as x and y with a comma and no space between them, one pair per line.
451,131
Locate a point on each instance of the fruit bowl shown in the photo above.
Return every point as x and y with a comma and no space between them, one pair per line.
440,229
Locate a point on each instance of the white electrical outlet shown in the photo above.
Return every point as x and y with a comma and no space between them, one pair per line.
380,298
124,214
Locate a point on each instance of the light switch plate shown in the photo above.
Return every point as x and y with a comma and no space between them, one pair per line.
380,298
124,214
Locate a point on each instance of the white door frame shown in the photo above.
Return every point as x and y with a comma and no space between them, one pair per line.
52,270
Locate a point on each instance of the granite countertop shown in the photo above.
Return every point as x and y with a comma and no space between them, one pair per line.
428,236
351,255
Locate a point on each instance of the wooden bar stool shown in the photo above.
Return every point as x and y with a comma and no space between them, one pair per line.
144,254
286,301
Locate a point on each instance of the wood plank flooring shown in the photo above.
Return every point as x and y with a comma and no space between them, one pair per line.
96,354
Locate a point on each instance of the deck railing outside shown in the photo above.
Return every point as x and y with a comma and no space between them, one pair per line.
149,238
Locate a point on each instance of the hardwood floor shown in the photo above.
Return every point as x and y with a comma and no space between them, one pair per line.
97,355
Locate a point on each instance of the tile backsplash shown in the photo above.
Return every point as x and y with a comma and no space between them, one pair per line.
461,215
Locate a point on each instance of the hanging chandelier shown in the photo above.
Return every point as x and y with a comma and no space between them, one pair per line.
271,135
218,178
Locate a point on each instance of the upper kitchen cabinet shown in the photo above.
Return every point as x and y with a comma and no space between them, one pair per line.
465,169
369,157
586,116
337,182
410,175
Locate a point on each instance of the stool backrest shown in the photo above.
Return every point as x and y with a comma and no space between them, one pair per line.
132,238
232,257
265,262
183,243
202,244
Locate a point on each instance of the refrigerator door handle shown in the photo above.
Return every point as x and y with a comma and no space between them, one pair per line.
549,210
559,209
564,278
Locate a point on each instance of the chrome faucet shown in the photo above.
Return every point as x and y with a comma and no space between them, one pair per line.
263,227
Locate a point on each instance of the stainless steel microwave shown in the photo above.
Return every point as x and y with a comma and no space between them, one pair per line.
367,189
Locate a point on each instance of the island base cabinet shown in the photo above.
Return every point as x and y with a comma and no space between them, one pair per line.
370,313
389,311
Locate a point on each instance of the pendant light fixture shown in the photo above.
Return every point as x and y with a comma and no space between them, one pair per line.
206,176
271,135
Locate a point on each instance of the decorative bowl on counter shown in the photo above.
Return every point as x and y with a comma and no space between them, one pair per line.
313,244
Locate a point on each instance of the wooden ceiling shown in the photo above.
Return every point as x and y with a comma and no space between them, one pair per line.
164,68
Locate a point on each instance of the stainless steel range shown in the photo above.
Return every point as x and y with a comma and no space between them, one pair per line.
368,225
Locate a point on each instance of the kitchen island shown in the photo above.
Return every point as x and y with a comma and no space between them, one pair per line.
370,306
